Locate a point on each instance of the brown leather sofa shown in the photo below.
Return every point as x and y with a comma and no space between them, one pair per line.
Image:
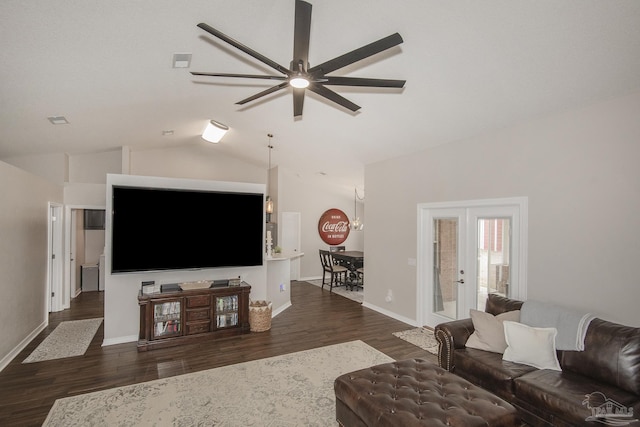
605,375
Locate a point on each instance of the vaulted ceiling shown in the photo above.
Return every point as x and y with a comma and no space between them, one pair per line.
470,66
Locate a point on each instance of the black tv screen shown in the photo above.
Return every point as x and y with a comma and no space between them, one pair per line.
170,229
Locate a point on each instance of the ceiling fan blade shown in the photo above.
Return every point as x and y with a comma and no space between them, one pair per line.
302,31
244,76
244,48
263,93
358,81
332,96
358,54
298,102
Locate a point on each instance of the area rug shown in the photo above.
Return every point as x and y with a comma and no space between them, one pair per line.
68,339
295,389
421,337
356,294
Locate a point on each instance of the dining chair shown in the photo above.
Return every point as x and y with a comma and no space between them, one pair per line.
360,273
337,273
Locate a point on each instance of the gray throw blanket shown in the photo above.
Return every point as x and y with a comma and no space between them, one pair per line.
571,325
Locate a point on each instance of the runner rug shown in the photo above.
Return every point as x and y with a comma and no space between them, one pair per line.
355,294
421,337
295,389
68,339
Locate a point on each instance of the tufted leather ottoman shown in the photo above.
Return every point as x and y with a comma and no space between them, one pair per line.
414,392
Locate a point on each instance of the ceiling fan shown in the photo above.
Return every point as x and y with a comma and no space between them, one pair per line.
300,76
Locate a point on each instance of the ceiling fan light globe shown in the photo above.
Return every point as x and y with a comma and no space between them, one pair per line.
299,82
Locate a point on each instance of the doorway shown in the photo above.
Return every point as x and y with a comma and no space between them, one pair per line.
466,251
84,243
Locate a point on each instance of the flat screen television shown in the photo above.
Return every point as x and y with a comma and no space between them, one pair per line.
172,229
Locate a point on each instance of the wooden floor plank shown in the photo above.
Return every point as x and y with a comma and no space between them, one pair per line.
315,319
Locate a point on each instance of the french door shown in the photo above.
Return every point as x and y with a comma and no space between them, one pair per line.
468,250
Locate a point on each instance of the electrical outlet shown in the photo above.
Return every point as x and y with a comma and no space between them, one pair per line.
283,287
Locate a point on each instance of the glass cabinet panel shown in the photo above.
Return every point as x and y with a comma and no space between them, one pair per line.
166,319
226,311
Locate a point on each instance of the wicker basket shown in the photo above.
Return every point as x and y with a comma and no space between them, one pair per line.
260,315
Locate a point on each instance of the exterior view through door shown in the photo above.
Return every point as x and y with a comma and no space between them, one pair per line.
492,274
467,252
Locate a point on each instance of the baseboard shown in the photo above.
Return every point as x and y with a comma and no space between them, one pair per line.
304,279
391,314
22,345
281,309
119,340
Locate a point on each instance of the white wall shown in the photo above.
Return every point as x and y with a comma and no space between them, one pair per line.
94,241
195,162
53,167
93,168
121,310
580,171
23,264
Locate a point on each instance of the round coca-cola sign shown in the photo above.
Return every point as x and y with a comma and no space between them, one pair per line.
333,227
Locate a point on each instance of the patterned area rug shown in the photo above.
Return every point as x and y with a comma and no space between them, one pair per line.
295,389
356,294
420,337
68,339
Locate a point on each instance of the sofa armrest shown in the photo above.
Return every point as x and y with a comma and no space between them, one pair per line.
450,336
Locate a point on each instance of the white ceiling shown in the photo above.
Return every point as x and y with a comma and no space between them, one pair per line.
471,66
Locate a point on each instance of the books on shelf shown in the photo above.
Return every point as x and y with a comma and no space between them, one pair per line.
225,320
168,327
229,303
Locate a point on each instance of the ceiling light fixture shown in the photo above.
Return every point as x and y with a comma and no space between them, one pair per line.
214,131
299,82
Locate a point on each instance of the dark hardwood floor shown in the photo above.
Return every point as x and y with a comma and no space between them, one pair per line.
315,319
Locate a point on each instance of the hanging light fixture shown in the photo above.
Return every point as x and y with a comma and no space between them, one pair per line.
269,202
300,80
356,224
214,131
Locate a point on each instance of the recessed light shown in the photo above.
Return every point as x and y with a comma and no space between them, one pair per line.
167,132
181,60
58,120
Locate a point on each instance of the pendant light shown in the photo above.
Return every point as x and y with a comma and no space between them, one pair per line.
356,224
269,201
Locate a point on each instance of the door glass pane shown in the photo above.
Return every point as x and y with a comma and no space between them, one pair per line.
445,271
493,251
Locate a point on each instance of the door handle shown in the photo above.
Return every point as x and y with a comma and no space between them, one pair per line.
461,281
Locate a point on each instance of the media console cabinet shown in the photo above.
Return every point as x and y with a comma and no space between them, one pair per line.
180,317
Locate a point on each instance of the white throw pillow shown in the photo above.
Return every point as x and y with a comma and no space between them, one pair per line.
531,346
489,331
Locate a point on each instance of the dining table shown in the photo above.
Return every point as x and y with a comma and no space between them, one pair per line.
352,260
